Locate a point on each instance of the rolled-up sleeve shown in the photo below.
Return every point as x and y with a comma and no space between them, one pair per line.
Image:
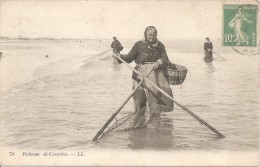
131,56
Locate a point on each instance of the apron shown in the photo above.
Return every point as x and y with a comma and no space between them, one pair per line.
147,93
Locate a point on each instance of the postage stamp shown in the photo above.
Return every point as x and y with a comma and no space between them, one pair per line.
240,25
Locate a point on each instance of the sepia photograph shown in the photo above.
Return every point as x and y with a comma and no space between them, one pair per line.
129,83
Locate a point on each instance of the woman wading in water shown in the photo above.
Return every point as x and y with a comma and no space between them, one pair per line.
150,54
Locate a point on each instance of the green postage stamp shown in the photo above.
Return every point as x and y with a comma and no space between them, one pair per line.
240,25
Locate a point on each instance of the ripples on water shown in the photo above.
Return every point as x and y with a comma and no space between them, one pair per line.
60,102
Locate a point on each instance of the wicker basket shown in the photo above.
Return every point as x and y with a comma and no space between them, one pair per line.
176,74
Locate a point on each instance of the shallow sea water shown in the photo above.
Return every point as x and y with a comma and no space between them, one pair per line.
60,102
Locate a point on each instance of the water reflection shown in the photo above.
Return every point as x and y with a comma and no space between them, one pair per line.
157,135
210,67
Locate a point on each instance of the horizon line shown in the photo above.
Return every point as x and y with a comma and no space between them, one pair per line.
72,38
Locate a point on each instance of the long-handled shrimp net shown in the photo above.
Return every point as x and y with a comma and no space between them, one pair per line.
136,120
142,117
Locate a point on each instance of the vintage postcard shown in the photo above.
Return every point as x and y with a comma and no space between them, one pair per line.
129,83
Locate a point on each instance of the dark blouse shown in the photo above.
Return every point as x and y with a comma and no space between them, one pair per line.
115,44
141,53
208,45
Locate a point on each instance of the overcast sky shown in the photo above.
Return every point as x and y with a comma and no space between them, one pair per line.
103,19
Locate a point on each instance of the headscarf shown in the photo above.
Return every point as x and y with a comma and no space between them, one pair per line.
150,45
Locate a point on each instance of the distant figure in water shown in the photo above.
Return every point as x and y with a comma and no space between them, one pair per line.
1,55
116,45
208,46
47,56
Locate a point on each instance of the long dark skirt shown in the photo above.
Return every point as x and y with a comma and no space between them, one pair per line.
208,57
